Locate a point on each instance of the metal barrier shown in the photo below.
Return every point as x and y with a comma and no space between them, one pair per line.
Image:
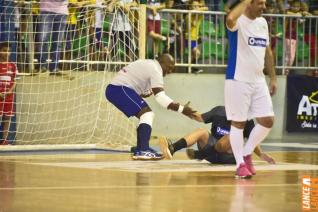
212,39
204,31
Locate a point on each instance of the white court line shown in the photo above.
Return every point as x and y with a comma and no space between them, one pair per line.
175,166
294,145
152,186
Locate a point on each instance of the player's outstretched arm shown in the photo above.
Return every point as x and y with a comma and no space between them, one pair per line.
262,155
166,102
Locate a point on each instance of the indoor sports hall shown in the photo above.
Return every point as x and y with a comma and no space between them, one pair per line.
65,147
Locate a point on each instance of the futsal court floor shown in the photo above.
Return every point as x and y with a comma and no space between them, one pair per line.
111,181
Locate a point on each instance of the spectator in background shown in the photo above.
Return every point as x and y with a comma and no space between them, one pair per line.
122,34
271,9
311,30
154,24
7,29
97,50
213,5
291,33
71,28
192,33
177,20
52,24
8,72
99,18
283,5
85,14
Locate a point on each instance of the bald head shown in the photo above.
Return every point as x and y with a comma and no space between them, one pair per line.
166,58
167,63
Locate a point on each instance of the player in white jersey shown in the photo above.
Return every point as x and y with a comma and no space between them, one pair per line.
246,93
143,78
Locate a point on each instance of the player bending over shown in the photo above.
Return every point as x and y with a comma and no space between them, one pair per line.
139,79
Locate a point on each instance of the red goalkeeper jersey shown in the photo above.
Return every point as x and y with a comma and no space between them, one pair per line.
8,73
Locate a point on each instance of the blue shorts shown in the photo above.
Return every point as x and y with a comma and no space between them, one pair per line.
125,99
194,43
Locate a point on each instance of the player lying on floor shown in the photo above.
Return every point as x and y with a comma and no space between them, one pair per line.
214,147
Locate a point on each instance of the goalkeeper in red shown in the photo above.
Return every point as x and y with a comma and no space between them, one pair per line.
136,81
7,82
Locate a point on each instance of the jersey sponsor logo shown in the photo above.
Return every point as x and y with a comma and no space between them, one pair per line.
221,131
5,78
307,110
261,42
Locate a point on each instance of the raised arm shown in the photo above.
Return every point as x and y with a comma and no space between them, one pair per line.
265,157
235,13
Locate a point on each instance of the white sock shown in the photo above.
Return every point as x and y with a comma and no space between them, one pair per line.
257,135
237,142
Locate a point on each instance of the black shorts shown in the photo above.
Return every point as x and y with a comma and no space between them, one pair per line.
218,157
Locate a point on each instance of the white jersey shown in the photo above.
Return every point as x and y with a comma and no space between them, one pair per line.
141,76
248,41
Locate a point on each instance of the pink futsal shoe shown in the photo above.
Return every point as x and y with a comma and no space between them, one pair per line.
242,172
249,164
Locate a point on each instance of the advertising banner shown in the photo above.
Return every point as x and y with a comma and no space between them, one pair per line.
302,104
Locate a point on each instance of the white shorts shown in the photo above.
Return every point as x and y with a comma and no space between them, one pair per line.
245,100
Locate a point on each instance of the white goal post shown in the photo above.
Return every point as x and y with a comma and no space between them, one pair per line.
69,109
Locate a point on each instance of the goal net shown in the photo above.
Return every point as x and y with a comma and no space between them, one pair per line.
65,63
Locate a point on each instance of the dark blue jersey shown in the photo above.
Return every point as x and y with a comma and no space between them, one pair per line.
220,125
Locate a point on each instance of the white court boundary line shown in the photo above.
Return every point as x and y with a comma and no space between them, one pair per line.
292,145
175,166
151,186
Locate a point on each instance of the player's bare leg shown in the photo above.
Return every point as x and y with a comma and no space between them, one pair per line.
223,145
5,128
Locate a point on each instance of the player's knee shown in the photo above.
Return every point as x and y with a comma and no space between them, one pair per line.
202,132
238,125
147,118
267,122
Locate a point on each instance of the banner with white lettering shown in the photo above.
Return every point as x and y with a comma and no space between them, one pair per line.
302,104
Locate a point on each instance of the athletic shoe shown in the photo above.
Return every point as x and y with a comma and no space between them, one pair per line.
249,164
242,172
149,154
166,147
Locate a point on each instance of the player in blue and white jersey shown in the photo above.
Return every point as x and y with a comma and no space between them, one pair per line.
139,79
246,92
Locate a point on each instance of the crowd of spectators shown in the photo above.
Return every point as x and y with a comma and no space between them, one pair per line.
57,24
